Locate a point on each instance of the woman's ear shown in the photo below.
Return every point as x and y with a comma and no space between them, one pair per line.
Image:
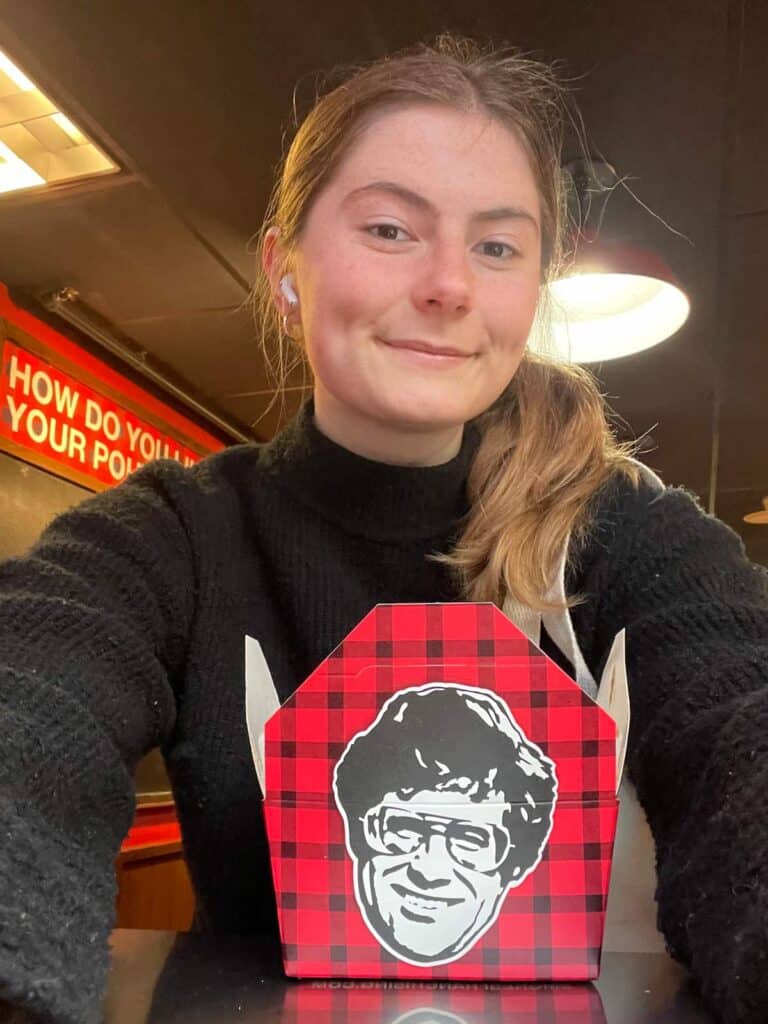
273,262
282,284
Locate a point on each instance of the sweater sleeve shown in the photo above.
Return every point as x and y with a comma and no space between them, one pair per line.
93,628
696,613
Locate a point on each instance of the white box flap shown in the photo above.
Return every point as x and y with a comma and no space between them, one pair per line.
261,702
613,698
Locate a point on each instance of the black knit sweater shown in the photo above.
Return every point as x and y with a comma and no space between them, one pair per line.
123,629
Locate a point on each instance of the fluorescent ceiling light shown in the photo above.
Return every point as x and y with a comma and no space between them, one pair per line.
39,145
14,173
69,129
15,74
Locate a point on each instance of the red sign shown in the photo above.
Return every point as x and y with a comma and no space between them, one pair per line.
45,410
96,428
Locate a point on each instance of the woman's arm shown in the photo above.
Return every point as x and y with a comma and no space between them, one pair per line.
93,630
696,612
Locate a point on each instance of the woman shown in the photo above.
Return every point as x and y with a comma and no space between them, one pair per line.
415,221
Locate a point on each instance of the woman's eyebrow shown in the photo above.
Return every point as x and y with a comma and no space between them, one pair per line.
421,203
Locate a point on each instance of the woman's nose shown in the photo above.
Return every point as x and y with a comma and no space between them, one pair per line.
446,284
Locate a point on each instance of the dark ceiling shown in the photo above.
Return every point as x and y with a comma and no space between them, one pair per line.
192,98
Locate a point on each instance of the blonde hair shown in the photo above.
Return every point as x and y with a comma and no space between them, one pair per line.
546,446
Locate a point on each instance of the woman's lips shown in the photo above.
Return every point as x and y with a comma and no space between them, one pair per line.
422,352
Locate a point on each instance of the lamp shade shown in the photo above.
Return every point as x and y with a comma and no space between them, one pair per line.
758,518
616,300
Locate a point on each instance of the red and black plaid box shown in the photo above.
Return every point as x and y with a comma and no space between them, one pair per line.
440,802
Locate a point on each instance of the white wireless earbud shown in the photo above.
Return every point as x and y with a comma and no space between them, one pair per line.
286,287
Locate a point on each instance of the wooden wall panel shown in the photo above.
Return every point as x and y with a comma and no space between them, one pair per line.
749,180
154,890
744,357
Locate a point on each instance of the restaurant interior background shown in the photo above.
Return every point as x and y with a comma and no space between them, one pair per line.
190,101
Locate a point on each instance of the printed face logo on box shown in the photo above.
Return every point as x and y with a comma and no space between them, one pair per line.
447,805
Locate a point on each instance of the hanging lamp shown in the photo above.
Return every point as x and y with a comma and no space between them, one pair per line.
616,298
760,517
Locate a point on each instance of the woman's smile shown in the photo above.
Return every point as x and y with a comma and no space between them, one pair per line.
422,353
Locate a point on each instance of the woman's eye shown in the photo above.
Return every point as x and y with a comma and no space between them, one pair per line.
498,250
387,232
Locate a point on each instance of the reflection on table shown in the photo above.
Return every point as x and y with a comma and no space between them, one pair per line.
163,978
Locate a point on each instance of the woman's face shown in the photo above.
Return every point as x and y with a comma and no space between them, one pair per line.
418,275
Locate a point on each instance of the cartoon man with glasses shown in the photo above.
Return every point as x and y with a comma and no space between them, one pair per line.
447,805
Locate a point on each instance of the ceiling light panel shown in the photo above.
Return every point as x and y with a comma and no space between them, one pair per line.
39,145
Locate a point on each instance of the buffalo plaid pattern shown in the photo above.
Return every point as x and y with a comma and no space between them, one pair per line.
356,1002
550,927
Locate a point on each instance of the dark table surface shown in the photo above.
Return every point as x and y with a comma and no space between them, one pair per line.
161,977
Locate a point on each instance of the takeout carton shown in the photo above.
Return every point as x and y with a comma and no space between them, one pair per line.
440,802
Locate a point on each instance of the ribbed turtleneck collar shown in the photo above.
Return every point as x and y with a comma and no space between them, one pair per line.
368,498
